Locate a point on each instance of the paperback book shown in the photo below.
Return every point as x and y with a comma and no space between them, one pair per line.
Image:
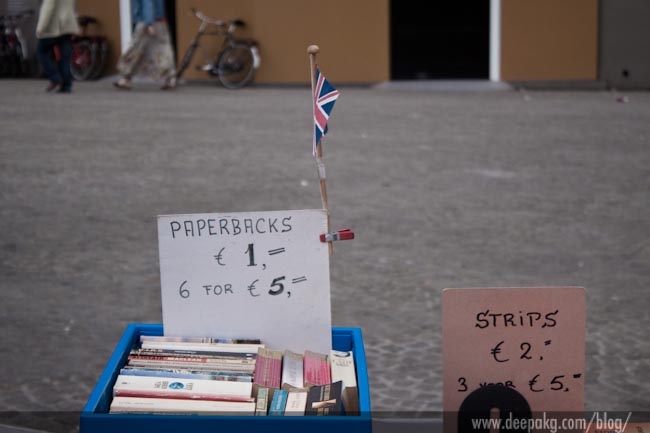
278,402
292,370
268,370
296,402
187,374
262,401
176,405
316,369
324,399
343,369
160,387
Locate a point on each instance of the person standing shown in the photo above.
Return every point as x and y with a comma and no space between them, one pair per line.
151,50
57,23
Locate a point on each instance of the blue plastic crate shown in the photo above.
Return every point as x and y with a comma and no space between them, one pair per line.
96,419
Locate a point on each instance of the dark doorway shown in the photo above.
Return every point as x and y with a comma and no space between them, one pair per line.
170,14
449,41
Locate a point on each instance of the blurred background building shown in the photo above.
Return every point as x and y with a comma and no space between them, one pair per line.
603,42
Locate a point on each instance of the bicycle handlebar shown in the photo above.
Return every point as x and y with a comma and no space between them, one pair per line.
217,22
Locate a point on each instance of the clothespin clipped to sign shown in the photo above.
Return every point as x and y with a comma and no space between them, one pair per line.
339,235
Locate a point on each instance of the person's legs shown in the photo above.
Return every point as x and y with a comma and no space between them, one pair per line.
45,55
65,48
131,61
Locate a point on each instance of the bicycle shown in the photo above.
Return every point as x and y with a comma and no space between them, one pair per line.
14,56
89,52
236,60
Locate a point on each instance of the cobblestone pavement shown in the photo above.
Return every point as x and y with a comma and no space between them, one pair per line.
443,189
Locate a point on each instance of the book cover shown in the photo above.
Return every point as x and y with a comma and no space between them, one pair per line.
296,402
268,370
342,368
160,387
278,402
324,399
316,369
292,370
262,401
174,405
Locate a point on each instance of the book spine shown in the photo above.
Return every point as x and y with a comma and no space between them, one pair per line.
230,348
183,395
187,374
296,402
316,369
147,363
292,370
162,365
268,367
194,360
324,399
143,386
161,405
207,340
193,353
279,402
342,368
262,402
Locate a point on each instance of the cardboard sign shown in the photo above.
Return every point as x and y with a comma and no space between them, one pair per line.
247,275
504,344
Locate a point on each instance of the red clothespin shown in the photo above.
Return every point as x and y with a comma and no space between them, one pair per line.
339,235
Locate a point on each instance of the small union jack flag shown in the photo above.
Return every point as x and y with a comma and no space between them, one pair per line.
324,97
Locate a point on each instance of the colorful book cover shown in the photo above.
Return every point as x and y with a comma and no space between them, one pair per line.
316,369
278,402
187,374
268,370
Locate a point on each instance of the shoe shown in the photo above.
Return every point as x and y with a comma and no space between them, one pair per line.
170,84
53,85
123,84
62,90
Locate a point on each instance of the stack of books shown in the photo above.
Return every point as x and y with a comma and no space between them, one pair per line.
310,383
180,375
239,377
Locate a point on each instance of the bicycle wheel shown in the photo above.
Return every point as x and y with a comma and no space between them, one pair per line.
14,61
4,61
187,58
83,60
235,66
101,53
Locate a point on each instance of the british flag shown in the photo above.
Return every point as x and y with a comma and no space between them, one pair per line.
324,97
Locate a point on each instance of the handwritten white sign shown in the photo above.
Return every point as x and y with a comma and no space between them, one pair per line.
247,275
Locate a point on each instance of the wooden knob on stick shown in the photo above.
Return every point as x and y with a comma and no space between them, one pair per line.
313,49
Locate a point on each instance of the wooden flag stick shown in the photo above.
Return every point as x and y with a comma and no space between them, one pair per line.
312,50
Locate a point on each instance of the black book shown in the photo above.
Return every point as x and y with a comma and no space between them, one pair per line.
324,399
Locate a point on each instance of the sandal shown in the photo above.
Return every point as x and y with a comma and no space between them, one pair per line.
123,84
170,84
